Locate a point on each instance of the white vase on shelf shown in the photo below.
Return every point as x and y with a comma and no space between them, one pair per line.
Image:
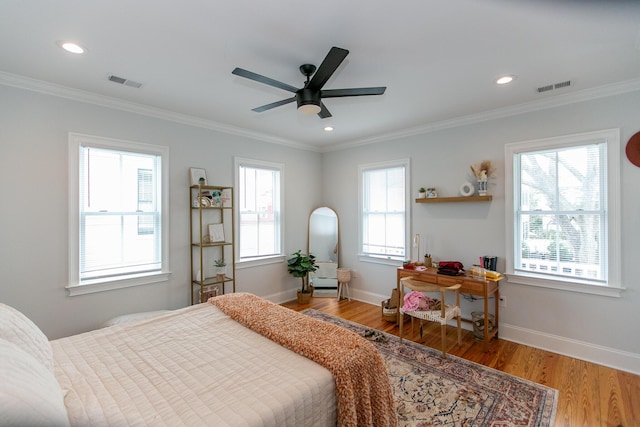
482,187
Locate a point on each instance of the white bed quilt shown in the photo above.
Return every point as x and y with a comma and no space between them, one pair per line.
195,366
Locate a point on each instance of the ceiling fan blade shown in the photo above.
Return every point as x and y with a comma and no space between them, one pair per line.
331,62
361,91
262,79
324,112
273,105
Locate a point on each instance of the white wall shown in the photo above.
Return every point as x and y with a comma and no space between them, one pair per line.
33,213
33,227
603,329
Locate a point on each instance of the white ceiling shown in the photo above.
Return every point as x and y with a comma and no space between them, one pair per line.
438,58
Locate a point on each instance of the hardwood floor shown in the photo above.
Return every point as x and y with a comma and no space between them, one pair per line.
590,395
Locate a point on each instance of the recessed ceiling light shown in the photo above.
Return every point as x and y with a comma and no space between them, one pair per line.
71,47
505,80
328,128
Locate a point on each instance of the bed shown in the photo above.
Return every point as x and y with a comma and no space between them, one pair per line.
231,361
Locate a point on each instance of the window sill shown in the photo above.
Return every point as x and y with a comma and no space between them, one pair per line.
385,260
276,259
531,280
92,286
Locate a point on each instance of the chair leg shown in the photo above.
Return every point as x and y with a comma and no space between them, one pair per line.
459,332
402,324
443,331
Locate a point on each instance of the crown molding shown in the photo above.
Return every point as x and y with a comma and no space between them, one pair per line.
47,88
40,86
500,113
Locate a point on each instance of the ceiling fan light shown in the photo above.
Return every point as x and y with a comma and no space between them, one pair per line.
309,109
308,101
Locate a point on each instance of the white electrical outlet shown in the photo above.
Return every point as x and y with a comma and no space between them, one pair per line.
503,301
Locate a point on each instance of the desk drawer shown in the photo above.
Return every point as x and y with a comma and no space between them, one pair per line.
468,286
473,287
423,276
450,281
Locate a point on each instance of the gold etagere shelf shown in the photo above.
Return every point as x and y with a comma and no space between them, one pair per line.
212,233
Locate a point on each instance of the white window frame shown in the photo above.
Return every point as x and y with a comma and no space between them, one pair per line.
387,260
612,282
258,164
77,286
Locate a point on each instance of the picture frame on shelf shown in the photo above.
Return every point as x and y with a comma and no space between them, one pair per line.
226,197
216,233
196,175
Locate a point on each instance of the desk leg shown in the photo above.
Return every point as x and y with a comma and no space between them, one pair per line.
486,320
497,319
399,302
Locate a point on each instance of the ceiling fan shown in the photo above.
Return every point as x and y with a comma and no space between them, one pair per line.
309,97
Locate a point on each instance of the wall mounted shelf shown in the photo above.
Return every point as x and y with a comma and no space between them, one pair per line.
454,199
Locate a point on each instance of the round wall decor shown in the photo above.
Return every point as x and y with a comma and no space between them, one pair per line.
633,149
467,189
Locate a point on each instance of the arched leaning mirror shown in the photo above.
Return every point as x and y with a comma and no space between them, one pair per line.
323,244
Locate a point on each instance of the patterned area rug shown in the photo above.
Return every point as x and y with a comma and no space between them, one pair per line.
430,391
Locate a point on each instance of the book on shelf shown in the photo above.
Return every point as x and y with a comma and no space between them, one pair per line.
490,262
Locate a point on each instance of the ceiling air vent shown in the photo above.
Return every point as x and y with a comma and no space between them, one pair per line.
554,86
562,84
124,81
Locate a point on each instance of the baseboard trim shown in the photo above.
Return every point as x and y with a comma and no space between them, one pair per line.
606,356
281,297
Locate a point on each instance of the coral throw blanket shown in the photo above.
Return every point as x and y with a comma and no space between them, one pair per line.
363,391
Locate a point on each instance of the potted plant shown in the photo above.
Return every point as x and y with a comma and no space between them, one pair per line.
300,265
221,269
422,192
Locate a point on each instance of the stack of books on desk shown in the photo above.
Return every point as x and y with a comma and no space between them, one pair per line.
489,262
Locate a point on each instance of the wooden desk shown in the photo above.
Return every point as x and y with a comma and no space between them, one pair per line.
468,285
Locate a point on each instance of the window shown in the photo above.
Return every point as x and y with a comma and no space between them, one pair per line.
563,224
118,221
383,210
259,186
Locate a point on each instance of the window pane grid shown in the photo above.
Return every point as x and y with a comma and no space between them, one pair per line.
560,221
259,212
383,212
119,218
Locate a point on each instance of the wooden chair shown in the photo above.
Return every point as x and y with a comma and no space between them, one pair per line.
442,316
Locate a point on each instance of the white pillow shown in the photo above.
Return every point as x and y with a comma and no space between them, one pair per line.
17,328
29,393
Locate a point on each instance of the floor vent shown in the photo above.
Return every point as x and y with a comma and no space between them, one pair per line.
124,81
554,86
